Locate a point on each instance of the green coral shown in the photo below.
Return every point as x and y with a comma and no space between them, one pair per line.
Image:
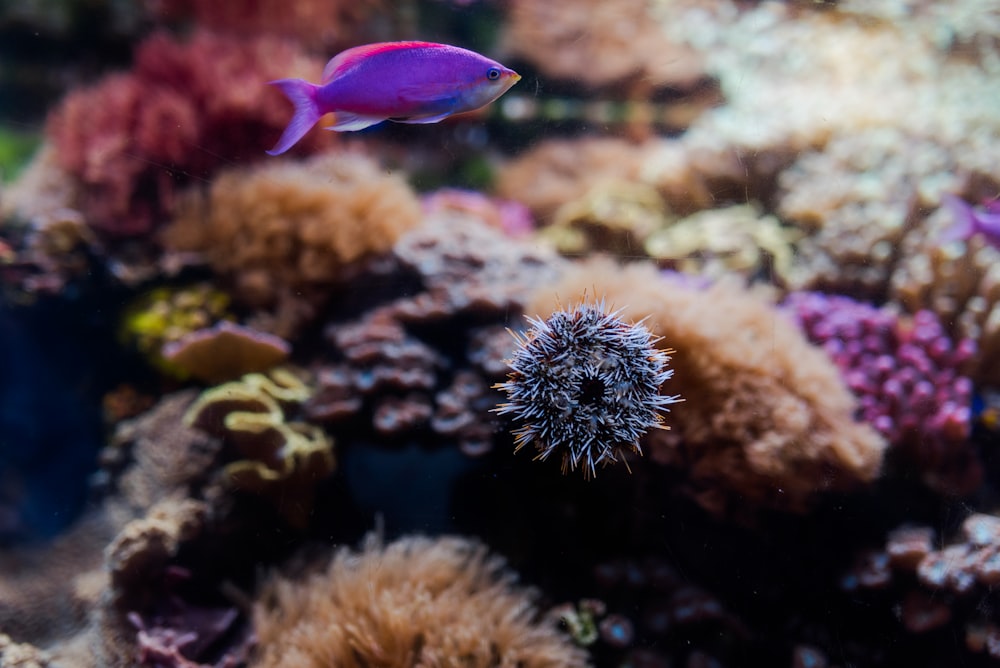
16,149
167,313
276,457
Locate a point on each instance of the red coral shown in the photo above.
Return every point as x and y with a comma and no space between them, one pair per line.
317,23
183,111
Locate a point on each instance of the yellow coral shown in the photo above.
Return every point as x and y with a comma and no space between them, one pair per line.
278,458
166,314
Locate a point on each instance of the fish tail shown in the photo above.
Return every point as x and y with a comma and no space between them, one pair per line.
964,225
302,94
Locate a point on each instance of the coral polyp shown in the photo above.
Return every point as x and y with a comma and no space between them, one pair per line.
586,385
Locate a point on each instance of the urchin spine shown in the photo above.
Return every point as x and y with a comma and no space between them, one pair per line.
585,384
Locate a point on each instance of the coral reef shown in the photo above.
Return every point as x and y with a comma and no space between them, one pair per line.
167,314
767,420
512,217
862,194
938,588
289,232
225,351
723,154
960,282
156,456
182,112
21,655
586,385
620,44
416,601
612,217
736,239
564,170
400,367
275,456
906,375
318,24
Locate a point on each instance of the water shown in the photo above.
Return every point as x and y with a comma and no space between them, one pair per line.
316,409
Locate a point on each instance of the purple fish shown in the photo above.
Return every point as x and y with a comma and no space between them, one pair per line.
407,82
970,220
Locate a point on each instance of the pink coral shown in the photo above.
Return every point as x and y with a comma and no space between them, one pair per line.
184,110
906,375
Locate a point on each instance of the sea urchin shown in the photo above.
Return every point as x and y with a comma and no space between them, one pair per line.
586,384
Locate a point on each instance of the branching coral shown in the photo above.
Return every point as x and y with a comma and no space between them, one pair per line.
292,230
415,602
422,364
183,111
767,420
226,351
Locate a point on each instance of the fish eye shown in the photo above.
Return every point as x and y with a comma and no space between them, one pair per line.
493,74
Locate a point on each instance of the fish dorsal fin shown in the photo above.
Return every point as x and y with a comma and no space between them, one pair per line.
345,60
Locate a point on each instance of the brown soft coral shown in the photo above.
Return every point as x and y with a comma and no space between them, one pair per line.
601,43
415,602
184,110
295,228
767,421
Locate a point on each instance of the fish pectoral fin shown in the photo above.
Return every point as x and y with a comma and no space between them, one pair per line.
422,119
345,121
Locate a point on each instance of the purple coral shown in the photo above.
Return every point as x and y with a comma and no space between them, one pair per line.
906,374
586,384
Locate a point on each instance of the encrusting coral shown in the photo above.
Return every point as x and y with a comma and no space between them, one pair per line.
767,420
291,231
418,601
184,110
225,351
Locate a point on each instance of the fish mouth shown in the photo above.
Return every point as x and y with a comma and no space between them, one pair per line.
514,78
